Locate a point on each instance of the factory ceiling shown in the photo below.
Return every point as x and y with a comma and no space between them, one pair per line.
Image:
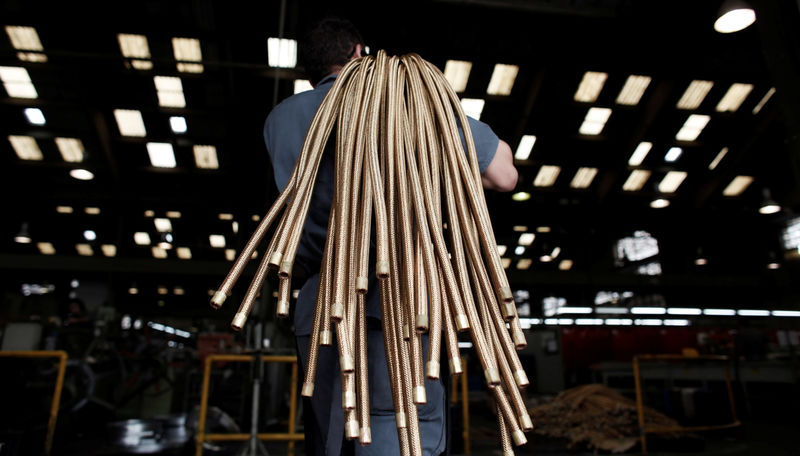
703,112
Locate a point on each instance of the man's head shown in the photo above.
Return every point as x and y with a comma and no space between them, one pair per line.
328,45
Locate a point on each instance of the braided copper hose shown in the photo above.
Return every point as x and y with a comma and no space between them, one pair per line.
505,434
451,342
508,414
362,375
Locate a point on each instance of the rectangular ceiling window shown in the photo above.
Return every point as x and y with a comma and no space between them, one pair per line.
216,240
184,253
692,128
92,210
457,74
71,149
205,157
178,124
636,180
35,116
565,265
161,155
472,107
64,209
141,238
714,163
188,54
84,249
302,85
24,38
130,122
738,185
526,239
163,225
547,176
174,214
594,121
109,250
583,178
46,248
135,47
590,86
694,94
525,147
633,90
17,82
25,147
640,153
502,80
764,100
524,264
159,252
671,182
282,52
673,154
170,91
734,97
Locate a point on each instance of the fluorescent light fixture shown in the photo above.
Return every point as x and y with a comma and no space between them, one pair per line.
565,265
506,262
640,153
501,249
170,91
521,196
574,310
633,90
519,250
133,46
46,248
109,250
542,229
302,85
178,124
764,101
673,154
735,19
230,254
695,94
520,228
714,163
611,310
738,185
163,225
472,107
205,157
225,216
161,155
457,74
619,322
173,214
719,312
684,311
594,121
142,64
526,239
64,209
636,180
734,97
648,322
648,310
187,49
282,52
464,344
158,252
184,253
671,182
524,264
502,79
149,213
216,240
547,176
659,203
81,174
590,86
17,82
179,292
583,178
24,38
692,128
71,149
588,321
141,238
25,147
525,147
786,313
130,122
84,249
752,313
676,322
35,116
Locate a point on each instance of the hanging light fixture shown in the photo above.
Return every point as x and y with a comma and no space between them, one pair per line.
768,206
23,237
734,15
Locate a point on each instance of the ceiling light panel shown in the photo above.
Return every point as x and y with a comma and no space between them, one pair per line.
25,147
525,147
161,155
714,163
216,240
673,154
734,97
636,180
46,248
141,238
502,80
638,155
583,177
170,91
187,52
524,264
184,253
695,94
526,239
692,128
71,149
130,122
84,249
590,86
17,82
24,38
282,52
205,157
738,185
178,124
133,46
633,90
547,176
35,116
158,252
163,225
472,107
457,74
109,250
671,182
594,121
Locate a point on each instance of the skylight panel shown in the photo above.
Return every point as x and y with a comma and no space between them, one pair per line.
71,149
692,128
163,225
184,253
35,116
734,97
130,122
583,178
109,250
302,85
636,180
671,182
525,147
714,163
524,264
506,262
206,157
178,124
170,91
64,209
640,153
738,185
520,228
174,214
141,238
764,100
590,86
565,265
133,46
526,239
472,107
216,240
81,174
673,154
46,248
695,94
36,57
159,252
25,147
230,254
457,74
24,38
84,249
633,90
187,52
547,176
501,249
17,82
91,210
161,155
502,79
282,52
594,121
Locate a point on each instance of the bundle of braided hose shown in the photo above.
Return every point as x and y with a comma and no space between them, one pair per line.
401,165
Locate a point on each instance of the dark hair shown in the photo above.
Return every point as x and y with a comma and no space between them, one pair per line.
329,42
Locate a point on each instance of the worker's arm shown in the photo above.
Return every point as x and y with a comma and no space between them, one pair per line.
501,175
